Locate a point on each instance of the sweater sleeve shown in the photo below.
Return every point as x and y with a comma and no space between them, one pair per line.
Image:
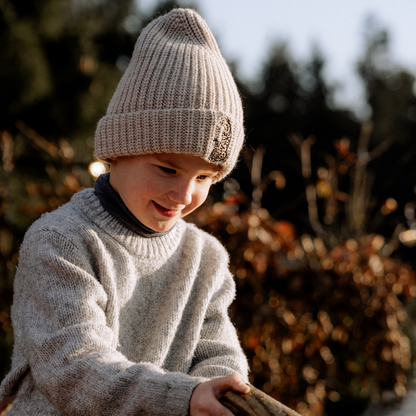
218,352
60,327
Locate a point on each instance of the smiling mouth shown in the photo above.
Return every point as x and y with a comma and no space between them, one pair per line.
165,211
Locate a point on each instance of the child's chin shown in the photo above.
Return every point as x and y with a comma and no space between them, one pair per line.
162,227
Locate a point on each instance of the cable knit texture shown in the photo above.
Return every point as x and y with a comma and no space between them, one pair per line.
110,323
176,96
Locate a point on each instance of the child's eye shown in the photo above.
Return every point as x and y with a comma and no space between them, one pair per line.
203,177
167,170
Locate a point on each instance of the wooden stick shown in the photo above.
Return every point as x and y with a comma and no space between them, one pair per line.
255,403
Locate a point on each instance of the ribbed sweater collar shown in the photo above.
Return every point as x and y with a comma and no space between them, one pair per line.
160,246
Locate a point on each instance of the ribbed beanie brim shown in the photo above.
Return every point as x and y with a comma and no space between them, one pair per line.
176,96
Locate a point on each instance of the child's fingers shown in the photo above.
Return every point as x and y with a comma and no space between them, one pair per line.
204,400
232,382
205,403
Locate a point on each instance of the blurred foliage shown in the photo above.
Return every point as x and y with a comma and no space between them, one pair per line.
321,327
326,320
312,216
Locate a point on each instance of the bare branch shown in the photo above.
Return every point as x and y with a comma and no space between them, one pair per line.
256,180
7,147
381,148
296,142
303,147
256,165
36,138
357,204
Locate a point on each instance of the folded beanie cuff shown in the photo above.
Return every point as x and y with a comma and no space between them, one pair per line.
203,133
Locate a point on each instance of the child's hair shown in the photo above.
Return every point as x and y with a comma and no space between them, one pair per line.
176,96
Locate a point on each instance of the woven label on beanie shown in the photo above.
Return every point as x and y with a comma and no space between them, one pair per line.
221,144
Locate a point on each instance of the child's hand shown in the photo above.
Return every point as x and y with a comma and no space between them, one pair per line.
204,399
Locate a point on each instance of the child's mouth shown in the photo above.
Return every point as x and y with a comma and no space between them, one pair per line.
165,211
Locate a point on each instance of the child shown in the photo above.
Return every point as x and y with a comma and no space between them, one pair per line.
120,307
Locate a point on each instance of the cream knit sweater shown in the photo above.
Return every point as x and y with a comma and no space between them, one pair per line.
110,323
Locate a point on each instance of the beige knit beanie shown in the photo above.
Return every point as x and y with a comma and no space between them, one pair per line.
176,96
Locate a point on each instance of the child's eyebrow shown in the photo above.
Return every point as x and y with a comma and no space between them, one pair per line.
173,165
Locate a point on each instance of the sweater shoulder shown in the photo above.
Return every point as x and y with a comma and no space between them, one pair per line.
211,251
208,240
67,220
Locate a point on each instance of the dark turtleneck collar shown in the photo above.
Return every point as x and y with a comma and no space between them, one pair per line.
114,205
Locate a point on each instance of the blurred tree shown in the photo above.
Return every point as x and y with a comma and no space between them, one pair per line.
389,88
391,99
292,98
59,63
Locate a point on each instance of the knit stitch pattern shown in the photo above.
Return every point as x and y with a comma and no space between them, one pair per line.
176,96
110,323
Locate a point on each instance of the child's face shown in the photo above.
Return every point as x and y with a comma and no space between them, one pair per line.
161,188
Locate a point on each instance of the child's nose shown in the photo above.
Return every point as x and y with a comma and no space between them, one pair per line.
182,193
